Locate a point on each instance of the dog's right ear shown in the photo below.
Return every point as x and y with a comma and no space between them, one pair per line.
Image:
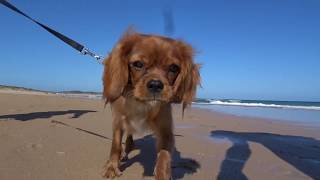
116,73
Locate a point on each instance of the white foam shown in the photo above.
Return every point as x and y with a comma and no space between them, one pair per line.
217,102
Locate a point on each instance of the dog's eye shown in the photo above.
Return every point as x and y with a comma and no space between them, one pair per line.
174,68
138,64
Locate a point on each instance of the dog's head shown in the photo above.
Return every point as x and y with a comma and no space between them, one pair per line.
152,68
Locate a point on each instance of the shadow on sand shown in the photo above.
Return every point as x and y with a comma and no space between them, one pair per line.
147,158
303,153
48,114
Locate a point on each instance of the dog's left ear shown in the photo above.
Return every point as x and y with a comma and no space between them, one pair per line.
189,78
116,73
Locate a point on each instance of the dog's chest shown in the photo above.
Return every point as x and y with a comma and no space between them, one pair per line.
137,114
138,125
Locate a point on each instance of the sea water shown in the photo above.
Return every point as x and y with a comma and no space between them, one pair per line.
296,111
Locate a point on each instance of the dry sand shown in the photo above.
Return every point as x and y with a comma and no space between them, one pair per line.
57,138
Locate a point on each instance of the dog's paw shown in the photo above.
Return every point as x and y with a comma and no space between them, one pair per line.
112,170
162,170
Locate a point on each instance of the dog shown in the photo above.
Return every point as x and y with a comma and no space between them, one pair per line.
143,75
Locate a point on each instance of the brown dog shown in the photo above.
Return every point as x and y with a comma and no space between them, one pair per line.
142,76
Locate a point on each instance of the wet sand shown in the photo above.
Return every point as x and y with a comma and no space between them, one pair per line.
53,137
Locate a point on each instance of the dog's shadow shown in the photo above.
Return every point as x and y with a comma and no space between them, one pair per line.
44,115
148,155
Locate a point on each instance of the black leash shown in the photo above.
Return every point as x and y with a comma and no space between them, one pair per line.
77,46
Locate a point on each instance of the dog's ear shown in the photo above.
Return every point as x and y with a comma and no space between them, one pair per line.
116,73
186,83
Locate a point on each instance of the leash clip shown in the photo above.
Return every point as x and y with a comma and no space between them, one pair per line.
86,51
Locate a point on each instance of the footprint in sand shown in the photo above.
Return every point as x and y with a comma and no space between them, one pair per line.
34,146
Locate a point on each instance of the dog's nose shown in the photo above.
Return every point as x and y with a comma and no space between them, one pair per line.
155,86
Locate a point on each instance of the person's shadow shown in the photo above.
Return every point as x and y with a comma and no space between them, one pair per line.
45,115
303,153
148,155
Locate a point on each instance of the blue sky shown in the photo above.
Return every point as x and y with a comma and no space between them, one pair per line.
266,49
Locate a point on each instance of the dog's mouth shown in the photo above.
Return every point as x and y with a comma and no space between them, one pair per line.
146,96
154,102
151,98
155,98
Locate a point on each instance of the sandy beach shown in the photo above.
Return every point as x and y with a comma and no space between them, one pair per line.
59,138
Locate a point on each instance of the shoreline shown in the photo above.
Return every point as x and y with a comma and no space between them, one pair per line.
193,105
206,110
298,116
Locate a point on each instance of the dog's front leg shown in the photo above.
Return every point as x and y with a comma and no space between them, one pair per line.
112,165
165,146
129,146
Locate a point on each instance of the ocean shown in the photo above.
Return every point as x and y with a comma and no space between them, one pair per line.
307,113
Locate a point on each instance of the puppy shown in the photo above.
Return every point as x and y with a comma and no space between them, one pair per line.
143,75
